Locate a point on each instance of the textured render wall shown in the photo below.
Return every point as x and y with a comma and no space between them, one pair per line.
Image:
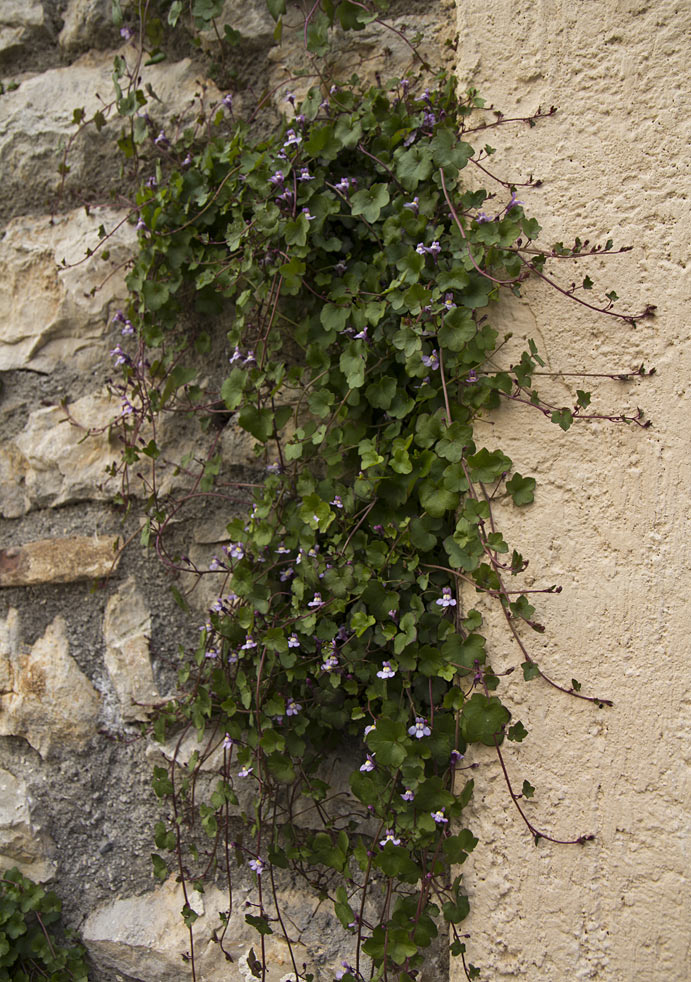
610,520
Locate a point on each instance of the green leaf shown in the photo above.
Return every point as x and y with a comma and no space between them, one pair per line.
517,732
483,719
527,790
485,466
563,418
522,489
369,203
276,8
258,422
530,670
233,388
352,364
360,622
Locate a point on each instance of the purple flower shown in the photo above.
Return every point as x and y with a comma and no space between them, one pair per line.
277,178
127,329
368,729
456,755
245,771
216,566
361,335
227,742
249,359
126,33
368,765
151,182
249,643
408,795
431,361
286,574
343,185
439,817
389,836
330,664
290,98
448,301
413,206
121,358
420,728
336,501
273,468
304,175
292,707
258,865
293,641
308,215
162,140
514,202
471,376
421,249
141,226
236,550
482,217
386,671
228,101
236,356
316,601
434,249
293,139
446,599
282,549
429,119
211,653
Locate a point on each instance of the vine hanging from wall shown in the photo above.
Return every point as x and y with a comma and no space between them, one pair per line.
355,271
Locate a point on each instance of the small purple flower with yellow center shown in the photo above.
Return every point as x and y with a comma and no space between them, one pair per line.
419,729
421,249
316,601
514,202
151,182
313,552
429,119
408,795
292,707
293,139
439,817
471,377
286,574
390,836
434,249
337,503
393,614
216,566
249,643
343,185
456,755
227,742
368,729
305,175
245,770
413,206
211,653
290,98
258,865
386,671
273,468
368,765
236,550
249,359
431,361
121,358
308,214
282,549
162,140
330,664
293,641
448,302
277,178
482,217
236,356
126,33
447,599
227,101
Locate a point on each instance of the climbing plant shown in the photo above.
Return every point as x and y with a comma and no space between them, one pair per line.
352,272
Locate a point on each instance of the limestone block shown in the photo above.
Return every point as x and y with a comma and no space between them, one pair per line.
126,632
145,937
21,23
60,461
81,557
250,17
51,703
21,844
87,24
36,122
51,316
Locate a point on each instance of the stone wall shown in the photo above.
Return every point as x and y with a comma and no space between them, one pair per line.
80,666
90,635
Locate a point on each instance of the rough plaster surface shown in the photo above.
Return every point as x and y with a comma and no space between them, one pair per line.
610,522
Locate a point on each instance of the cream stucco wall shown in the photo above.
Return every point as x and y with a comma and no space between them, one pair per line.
611,518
